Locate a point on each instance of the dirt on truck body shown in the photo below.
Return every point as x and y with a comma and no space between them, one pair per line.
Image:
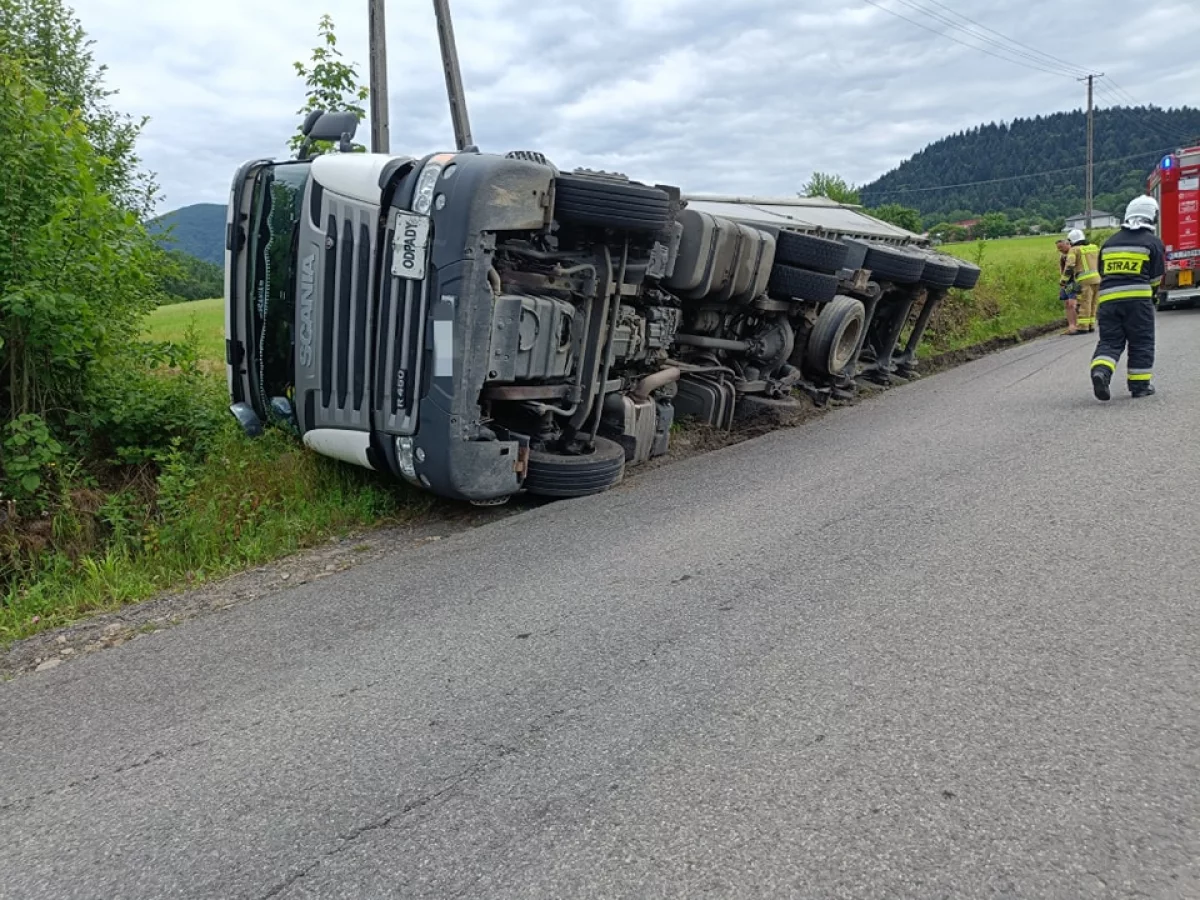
482,325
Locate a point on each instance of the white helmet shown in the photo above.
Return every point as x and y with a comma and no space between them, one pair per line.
1141,212
1076,236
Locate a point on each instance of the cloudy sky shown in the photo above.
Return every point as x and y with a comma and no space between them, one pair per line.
746,96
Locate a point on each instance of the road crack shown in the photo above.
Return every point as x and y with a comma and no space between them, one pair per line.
154,757
495,754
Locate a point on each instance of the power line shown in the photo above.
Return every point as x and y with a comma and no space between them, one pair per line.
1008,178
1121,98
1132,100
1046,56
1006,45
1118,107
977,49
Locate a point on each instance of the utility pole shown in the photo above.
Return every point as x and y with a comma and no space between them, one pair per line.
377,35
454,86
1088,201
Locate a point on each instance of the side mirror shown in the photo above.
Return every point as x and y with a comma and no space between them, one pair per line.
310,120
334,126
248,419
328,126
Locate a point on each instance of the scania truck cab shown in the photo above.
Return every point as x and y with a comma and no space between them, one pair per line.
482,325
429,317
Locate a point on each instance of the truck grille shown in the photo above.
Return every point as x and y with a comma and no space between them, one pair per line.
335,388
401,337
344,332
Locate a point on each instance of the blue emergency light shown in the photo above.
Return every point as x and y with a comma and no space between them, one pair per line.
1167,162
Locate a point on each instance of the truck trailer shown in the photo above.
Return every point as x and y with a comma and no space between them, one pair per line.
482,325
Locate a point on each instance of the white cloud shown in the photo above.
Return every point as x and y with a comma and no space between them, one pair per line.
742,96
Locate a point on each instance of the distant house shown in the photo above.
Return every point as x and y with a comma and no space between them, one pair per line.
967,223
1100,219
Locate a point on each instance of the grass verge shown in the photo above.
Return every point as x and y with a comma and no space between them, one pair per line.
1017,291
247,503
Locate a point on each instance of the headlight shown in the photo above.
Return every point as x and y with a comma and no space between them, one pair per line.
423,198
404,454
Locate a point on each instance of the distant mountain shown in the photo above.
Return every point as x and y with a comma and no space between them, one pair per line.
197,230
997,164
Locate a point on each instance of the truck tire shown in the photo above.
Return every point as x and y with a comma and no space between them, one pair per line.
608,203
940,270
809,252
559,475
835,336
895,264
968,275
788,282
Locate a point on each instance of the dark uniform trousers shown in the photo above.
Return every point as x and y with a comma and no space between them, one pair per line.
1129,321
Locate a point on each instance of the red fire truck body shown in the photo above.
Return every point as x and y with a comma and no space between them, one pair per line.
1175,184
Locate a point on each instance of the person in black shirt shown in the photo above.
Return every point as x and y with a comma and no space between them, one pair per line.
1132,262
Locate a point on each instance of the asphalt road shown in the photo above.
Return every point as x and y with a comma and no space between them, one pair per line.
942,644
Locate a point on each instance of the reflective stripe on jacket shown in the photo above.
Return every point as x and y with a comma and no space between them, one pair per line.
1131,262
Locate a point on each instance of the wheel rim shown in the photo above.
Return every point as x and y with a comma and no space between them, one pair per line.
843,349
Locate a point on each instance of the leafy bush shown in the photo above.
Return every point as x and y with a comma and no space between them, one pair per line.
75,268
156,398
30,451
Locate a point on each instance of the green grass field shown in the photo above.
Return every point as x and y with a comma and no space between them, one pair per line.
170,323
1021,249
1038,250
1018,289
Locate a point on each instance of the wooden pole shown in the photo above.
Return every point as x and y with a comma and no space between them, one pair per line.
380,131
454,85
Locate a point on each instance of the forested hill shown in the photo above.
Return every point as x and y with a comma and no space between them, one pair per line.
1128,143
197,230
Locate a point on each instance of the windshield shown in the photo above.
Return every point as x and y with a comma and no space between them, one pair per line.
274,230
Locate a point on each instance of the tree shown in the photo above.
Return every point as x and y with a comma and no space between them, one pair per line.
332,85
54,52
183,277
996,225
900,216
832,186
76,264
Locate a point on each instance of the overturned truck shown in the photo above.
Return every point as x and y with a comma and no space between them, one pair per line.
484,325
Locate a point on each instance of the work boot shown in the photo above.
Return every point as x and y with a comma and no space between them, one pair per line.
1142,390
1100,379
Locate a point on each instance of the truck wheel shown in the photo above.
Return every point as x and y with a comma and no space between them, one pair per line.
608,203
835,336
968,276
809,252
894,264
789,282
559,475
940,270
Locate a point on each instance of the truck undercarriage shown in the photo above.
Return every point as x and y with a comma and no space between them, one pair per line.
482,325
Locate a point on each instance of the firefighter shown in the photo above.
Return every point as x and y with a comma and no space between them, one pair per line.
1131,266
1081,266
1066,288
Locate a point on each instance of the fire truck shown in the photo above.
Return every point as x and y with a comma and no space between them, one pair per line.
1175,184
